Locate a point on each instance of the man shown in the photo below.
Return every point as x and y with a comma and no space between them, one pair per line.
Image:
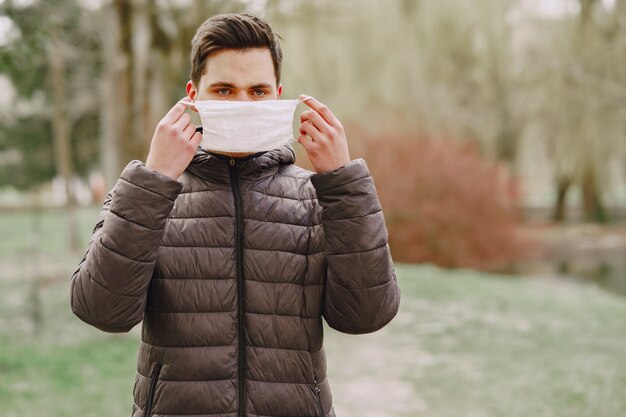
232,260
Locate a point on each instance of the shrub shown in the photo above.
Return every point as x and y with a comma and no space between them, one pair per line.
444,203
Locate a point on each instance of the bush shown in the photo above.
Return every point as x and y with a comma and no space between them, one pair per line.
444,203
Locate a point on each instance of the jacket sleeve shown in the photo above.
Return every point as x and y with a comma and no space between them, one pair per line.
108,289
361,293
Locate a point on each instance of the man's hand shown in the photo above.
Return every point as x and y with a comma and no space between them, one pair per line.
174,143
323,137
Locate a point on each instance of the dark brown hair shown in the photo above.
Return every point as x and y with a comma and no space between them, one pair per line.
232,30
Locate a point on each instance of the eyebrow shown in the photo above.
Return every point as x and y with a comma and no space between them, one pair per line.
230,85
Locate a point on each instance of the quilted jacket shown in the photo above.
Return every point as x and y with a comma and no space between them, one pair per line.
231,268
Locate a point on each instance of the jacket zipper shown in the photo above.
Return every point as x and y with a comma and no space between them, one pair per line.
151,390
319,399
241,358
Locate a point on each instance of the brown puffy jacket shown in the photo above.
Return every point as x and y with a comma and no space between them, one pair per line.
231,268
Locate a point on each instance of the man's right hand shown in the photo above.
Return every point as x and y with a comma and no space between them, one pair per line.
174,143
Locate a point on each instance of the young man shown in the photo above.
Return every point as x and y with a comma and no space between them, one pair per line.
232,260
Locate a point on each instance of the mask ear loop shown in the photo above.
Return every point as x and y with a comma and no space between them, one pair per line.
185,100
304,99
190,103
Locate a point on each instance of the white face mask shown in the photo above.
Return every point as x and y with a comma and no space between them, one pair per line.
245,126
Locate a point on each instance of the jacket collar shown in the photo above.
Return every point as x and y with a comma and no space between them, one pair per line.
215,167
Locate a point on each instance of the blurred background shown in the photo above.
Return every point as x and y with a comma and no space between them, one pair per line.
495,132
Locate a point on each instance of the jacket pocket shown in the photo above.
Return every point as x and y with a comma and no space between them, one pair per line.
318,399
154,377
316,389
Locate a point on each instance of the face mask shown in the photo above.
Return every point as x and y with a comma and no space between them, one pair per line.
245,126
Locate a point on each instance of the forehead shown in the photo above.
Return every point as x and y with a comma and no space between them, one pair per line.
241,67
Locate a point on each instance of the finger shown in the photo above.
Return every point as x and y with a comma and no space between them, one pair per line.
196,139
306,142
187,101
315,118
308,128
174,113
189,131
182,122
322,109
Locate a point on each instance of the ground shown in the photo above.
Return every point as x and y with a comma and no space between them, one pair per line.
464,344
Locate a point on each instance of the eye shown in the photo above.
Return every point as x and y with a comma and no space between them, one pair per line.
258,93
222,91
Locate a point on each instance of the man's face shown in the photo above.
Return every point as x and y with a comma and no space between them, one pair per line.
237,74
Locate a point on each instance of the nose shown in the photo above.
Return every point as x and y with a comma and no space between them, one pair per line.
242,96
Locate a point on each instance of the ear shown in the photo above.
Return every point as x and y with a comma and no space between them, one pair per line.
279,90
191,90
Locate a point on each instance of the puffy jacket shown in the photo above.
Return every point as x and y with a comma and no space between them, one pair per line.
231,267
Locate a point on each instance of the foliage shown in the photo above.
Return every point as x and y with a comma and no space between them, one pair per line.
443,201
500,71
27,129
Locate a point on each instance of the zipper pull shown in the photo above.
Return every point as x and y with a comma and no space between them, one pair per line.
232,161
317,390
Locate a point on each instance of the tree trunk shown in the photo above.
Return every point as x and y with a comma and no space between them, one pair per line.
60,129
562,187
593,207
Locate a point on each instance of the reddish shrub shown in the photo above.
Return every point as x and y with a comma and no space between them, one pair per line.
444,203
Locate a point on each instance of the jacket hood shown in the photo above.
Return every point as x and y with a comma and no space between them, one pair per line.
215,167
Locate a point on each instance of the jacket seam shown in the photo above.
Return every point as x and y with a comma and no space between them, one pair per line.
286,382
276,347
286,315
196,246
147,189
283,282
245,218
275,222
189,380
231,278
322,188
358,251
178,414
198,217
305,179
133,221
281,196
353,217
199,279
121,254
185,347
205,191
91,277
251,189
278,250
189,312
265,415
231,247
364,288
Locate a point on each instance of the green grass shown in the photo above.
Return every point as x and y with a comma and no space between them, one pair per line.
43,229
471,344
89,378
464,344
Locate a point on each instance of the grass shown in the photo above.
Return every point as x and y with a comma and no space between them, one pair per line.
471,344
90,378
464,344
47,228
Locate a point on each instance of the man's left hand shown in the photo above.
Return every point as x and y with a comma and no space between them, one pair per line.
323,137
